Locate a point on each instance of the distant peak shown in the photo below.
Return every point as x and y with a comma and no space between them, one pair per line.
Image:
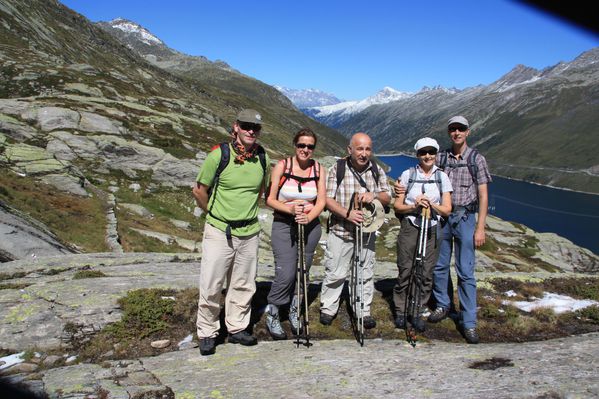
136,29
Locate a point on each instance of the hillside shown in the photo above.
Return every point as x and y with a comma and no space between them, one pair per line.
87,124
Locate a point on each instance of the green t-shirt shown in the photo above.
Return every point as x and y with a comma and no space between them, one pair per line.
236,197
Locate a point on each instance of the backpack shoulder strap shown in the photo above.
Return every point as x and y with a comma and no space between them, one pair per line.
225,155
285,175
316,167
374,168
439,182
262,156
411,180
341,163
472,166
443,159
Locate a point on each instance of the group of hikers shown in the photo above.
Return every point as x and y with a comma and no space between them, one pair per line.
437,202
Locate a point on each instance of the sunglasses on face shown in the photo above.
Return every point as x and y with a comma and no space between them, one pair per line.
454,128
247,126
431,151
308,146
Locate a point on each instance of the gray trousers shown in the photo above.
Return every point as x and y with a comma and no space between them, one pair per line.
338,261
407,246
284,247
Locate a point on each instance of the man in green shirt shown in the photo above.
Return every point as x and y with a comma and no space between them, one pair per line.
230,244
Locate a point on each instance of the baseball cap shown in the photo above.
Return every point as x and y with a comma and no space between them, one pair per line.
426,142
250,116
458,119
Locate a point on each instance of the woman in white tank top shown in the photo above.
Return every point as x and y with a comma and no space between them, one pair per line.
297,195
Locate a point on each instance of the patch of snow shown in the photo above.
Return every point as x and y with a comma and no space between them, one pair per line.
11,360
559,303
186,340
510,293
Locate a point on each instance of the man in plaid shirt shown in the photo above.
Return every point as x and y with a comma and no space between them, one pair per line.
463,231
359,178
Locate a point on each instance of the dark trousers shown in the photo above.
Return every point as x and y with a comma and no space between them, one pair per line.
407,246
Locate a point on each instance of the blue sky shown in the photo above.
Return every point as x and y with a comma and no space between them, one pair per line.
354,48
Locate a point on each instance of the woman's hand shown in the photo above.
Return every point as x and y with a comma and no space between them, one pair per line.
422,201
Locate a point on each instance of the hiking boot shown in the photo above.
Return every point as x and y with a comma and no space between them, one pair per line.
369,322
294,316
273,323
471,335
418,324
437,315
207,346
243,338
326,319
400,322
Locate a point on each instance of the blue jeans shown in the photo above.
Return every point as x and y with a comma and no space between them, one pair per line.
458,231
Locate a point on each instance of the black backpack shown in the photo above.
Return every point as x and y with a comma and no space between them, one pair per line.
341,162
470,163
225,156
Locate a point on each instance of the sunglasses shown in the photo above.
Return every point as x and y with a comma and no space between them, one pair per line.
247,126
454,128
432,151
308,146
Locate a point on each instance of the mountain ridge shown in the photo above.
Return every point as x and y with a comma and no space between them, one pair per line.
525,110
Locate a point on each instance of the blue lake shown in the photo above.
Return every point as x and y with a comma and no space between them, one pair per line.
569,214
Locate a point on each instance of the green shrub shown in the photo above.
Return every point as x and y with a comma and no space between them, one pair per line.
590,313
145,312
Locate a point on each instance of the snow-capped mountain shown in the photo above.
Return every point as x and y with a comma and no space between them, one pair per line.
136,30
334,115
307,98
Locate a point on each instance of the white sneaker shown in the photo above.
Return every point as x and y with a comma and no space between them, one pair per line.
273,323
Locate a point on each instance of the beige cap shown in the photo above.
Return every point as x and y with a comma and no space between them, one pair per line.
250,116
458,119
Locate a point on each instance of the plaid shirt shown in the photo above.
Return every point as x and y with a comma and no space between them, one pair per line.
341,227
465,192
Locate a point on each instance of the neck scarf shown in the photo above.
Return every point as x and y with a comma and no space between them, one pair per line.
241,153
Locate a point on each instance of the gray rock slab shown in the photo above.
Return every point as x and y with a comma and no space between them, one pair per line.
66,183
555,368
22,238
91,122
36,315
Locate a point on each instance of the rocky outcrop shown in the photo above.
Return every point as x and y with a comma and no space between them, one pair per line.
23,238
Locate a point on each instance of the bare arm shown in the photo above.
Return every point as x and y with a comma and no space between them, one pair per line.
444,209
402,207
200,193
483,207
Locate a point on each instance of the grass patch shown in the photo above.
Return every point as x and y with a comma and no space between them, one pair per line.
148,314
81,274
581,288
73,219
590,313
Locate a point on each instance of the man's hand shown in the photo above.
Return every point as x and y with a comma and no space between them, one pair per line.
367,197
479,236
398,188
422,201
355,216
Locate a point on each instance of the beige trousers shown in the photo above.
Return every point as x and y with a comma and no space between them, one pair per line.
338,259
235,261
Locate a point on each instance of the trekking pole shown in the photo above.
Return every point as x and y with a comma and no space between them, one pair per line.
358,272
413,304
302,287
